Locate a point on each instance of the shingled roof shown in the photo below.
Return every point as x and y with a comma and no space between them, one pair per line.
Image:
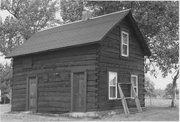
76,33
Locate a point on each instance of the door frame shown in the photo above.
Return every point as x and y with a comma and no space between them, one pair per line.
72,74
27,91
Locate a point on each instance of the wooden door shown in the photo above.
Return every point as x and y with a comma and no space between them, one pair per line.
32,94
79,92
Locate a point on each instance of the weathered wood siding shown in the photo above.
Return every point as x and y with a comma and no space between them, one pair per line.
110,59
53,70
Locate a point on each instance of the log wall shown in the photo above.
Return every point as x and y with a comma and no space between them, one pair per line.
53,70
110,59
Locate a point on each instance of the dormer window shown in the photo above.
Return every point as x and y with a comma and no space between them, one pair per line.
124,44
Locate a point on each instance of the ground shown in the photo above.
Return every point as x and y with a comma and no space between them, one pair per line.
158,110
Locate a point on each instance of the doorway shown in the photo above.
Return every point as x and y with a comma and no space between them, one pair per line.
32,93
78,92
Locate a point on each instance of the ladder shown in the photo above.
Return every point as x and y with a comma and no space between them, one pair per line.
123,99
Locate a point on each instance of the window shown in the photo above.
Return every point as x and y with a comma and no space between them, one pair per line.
134,82
112,85
124,44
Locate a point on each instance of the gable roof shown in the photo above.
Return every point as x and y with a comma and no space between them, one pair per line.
76,33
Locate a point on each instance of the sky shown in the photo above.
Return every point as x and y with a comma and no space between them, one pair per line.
3,14
159,82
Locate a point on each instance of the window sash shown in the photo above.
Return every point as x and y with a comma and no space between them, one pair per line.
112,91
134,86
124,44
125,38
114,85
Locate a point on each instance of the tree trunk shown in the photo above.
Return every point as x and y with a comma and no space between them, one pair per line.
174,89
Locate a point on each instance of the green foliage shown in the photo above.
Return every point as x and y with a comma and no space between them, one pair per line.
5,80
71,10
149,87
158,21
159,93
29,16
169,91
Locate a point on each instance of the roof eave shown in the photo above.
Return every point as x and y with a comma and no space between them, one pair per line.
84,44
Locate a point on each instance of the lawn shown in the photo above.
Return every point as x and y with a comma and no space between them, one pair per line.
159,110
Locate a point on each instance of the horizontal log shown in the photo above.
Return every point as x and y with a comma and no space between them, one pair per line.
54,84
91,106
20,86
19,91
52,104
17,109
55,93
110,50
57,89
22,95
53,110
22,99
91,100
90,89
18,82
40,69
54,98
18,104
83,50
92,94
92,77
66,64
92,83
77,58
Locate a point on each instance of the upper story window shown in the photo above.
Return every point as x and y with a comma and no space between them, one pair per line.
112,85
134,82
124,43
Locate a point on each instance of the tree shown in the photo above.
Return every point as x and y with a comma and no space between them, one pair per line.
158,22
149,87
29,16
159,93
71,10
5,80
169,91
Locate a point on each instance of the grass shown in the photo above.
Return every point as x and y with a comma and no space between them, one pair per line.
159,102
159,110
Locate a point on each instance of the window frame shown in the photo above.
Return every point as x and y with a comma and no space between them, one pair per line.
112,98
136,76
122,43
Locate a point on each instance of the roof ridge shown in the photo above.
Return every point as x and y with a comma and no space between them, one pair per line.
84,20
111,13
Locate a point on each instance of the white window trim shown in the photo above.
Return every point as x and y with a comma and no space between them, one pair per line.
136,85
122,43
112,98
